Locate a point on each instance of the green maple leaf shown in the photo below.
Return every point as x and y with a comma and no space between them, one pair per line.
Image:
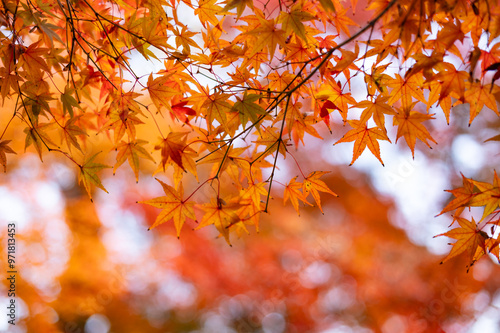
88,175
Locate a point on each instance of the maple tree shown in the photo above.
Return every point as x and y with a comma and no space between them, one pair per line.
244,85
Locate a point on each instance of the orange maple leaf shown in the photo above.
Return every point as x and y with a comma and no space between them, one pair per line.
313,185
161,90
253,193
172,148
132,151
463,196
223,215
294,193
492,246
206,11
333,92
376,110
240,6
406,89
121,121
469,239
32,60
268,35
479,95
251,202
38,137
174,207
293,20
410,127
489,195
364,137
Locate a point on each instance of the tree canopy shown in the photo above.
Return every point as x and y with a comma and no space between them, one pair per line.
224,102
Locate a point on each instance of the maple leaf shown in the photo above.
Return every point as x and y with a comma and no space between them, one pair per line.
253,193
88,175
207,9
463,196
410,127
183,38
334,93
376,110
364,137
271,139
345,62
342,21
161,90
216,107
70,131
293,192
132,151
38,138
405,89
152,32
425,64
251,203
293,20
69,101
378,79
478,95
268,35
469,239
489,195
491,245
452,82
174,148
248,109
122,121
4,148
240,6
32,61
300,126
222,214
174,207
48,29
181,111
383,48
451,32
9,82
313,185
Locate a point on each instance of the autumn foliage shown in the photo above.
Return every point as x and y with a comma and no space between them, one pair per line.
238,88
222,102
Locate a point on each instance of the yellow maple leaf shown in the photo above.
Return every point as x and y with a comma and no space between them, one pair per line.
174,207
